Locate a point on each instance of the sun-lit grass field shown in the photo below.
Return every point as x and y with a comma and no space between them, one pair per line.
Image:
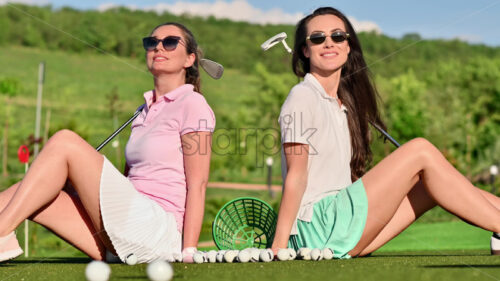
437,247
420,265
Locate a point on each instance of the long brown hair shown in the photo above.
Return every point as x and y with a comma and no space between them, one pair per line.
193,72
356,90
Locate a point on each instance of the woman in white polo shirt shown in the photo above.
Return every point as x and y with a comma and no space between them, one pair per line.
328,199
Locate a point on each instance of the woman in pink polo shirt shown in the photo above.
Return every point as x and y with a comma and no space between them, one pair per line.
155,210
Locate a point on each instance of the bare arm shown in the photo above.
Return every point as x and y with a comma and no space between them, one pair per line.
196,147
296,155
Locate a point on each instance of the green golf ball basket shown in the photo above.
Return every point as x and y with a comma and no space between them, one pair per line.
244,222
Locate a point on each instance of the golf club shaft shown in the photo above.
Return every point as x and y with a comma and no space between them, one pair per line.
391,139
106,141
213,69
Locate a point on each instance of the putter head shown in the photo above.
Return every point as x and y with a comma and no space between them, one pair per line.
273,41
214,69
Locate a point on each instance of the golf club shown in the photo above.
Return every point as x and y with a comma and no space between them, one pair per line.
281,37
108,139
213,69
387,136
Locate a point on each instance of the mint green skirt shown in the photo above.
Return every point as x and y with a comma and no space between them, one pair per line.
338,222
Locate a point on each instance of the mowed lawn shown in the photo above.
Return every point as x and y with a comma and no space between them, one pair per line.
422,265
426,251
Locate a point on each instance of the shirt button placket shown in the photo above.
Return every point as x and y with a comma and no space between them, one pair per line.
151,114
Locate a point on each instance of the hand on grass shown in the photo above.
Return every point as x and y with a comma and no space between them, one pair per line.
187,254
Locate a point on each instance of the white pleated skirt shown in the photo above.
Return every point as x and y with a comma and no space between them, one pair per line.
134,223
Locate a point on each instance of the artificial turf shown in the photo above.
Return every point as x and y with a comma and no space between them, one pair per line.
425,251
422,265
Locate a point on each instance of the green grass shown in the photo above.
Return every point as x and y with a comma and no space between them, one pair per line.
450,250
437,247
76,92
84,82
436,230
446,265
440,236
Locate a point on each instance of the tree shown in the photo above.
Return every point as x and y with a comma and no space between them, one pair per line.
406,107
412,36
266,104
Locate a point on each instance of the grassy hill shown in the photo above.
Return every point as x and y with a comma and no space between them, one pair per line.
77,92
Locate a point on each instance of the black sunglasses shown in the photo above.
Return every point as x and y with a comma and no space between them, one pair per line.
320,37
169,43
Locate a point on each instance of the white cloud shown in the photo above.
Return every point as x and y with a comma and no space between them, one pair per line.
365,25
236,10
470,38
106,6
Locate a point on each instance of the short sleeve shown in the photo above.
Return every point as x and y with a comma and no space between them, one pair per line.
297,116
198,116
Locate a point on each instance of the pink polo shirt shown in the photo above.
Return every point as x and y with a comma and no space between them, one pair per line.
154,151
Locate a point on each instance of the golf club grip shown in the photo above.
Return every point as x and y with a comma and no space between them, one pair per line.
106,141
391,139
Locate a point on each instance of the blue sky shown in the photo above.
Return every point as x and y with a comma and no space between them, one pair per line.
476,21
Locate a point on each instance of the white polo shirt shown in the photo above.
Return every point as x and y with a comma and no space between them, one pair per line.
310,116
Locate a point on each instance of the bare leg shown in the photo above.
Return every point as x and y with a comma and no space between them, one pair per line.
389,182
414,205
66,217
65,156
492,198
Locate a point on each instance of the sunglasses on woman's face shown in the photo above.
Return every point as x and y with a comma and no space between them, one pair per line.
169,43
320,37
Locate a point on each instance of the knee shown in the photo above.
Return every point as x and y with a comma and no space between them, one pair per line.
62,138
423,149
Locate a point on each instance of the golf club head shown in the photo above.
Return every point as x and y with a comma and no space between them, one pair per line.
281,37
273,41
214,69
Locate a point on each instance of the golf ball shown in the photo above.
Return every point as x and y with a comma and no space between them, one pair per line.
97,271
212,256
254,254
316,254
244,255
266,255
230,256
131,259
327,254
304,253
199,257
283,254
159,270
292,254
220,255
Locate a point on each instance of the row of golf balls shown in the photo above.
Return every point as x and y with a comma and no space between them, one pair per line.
263,255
